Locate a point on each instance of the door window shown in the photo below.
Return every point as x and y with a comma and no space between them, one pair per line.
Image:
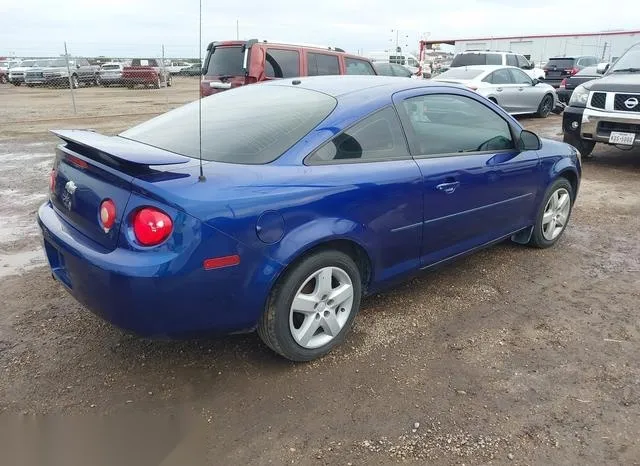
512,60
400,71
320,64
448,124
499,77
523,63
282,63
355,66
520,77
376,138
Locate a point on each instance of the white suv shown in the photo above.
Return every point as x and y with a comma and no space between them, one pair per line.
473,57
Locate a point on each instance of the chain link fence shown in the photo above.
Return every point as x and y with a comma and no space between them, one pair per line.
72,90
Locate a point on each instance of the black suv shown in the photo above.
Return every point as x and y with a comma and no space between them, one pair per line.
606,110
560,68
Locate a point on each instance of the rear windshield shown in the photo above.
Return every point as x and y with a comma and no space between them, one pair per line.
247,125
467,59
226,61
461,73
110,67
560,63
144,62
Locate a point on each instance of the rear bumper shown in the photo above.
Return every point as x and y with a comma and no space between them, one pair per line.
139,79
157,294
553,82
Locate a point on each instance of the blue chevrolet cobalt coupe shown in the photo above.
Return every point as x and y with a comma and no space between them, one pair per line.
278,206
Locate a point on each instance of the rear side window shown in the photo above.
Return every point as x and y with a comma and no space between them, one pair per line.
512,60
320,64
247,125
355,66
226,61
282,63
377,137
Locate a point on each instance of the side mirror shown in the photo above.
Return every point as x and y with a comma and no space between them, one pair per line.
535,81
602,68
529,141
533,65
78,66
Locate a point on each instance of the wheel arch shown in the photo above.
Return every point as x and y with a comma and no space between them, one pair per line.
348,246
572,178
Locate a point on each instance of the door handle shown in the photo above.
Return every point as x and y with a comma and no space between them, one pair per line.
448,188
499,89
521,89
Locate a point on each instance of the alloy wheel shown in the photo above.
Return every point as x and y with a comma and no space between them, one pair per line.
556,214
321,307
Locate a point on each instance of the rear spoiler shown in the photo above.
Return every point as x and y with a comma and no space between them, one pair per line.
125,151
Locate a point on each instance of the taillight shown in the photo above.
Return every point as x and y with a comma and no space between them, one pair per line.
151,226
107,214
563,84
52,180
572,71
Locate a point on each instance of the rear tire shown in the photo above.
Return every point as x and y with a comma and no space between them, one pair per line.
545,107
3,79
322,316
553,214
169,81
584,146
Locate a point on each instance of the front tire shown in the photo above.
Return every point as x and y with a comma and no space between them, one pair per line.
311,309
74,82
545,107
553,214
583,145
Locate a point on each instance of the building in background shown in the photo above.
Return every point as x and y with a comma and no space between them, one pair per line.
606,45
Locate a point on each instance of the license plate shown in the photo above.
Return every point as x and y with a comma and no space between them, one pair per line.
624,139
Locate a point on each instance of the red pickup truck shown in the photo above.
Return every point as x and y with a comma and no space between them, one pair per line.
147,72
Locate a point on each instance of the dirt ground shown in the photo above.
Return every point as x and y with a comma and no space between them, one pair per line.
512,355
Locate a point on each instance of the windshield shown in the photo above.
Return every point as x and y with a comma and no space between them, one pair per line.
466,59
562,63
630,60
110,67
461,73
58,63
226,61
247,125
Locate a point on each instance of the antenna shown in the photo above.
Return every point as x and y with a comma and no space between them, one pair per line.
201,177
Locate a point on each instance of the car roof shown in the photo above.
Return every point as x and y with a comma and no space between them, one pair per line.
340,86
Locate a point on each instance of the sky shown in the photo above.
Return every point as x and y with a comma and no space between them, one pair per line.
141,27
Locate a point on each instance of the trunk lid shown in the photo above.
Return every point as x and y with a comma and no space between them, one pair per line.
90,168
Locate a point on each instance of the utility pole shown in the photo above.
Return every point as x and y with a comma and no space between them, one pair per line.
237,29
604,51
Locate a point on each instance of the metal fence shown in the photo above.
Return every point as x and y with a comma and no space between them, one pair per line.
69,89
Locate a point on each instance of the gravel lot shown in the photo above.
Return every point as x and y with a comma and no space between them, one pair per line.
512,355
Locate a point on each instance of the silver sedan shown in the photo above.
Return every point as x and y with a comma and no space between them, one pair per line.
508,86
